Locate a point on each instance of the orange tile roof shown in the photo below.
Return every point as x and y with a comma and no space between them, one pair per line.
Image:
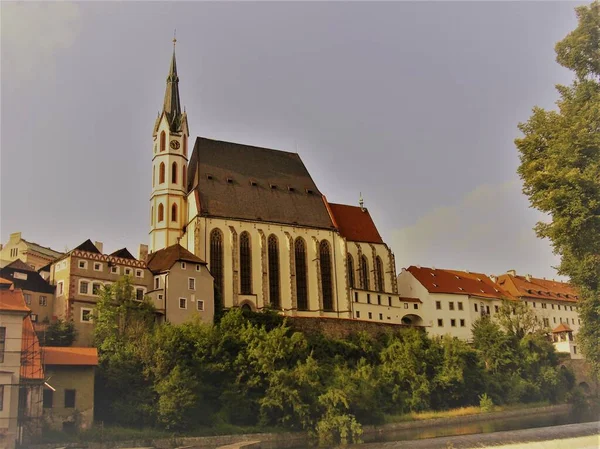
13,301
535,288
4,281
70,356
355,224
31,355
562,327
456,282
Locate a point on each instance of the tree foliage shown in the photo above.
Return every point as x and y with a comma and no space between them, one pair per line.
58,333
560,169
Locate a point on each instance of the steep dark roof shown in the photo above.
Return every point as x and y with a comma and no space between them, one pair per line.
19,265
164,259
355,223
34,281
255,183
89,247
123,253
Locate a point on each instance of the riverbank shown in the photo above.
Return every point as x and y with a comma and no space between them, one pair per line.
288,440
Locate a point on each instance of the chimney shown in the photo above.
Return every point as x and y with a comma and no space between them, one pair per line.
528,277
100,246
512,272
494,278
142,252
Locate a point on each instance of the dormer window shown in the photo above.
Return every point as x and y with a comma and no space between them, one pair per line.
432,274
457,277
435,285
291,189
273,186
229,180
253,183
209,177
309,191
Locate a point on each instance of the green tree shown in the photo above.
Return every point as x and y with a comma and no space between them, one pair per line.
560,169
59,333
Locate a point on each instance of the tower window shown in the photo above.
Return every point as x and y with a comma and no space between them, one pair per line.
174,173
325,260
163,141
184,145
245,263
183,176
174,212
161,173
161,212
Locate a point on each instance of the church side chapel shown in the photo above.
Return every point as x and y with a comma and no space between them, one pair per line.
270,237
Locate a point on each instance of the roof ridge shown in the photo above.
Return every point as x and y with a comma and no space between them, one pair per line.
248,145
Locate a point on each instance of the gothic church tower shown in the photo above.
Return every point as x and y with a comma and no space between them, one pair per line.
168,208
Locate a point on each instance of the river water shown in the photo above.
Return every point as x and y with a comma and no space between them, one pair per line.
496,425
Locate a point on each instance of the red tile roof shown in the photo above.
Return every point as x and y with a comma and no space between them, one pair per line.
535,288
355,224
562,327
70,356
455,282
13,301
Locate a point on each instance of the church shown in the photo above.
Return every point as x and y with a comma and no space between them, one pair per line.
270,237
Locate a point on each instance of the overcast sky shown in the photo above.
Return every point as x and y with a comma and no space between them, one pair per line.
414,104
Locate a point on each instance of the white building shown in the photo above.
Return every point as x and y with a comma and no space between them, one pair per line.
270,237
451,300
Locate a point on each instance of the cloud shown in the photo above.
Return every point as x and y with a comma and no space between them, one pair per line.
32,35
488,230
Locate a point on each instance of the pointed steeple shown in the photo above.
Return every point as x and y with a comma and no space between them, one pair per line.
172,103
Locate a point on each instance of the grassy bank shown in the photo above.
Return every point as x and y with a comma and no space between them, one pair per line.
462,411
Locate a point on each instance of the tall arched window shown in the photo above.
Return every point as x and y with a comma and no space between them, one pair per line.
301,275
184,145
152,215
174,173
161,173
325,259
153,175
350,264
174,212
163,141
184,177
379,273
274,272
364,273
161,212
216,260
245,264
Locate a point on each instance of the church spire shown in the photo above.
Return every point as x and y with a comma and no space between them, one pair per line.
172,103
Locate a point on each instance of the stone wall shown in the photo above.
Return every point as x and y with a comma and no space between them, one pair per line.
340,327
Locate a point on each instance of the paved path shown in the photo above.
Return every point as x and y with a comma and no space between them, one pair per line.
549,438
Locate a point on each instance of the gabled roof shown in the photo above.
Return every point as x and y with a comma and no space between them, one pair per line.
123,253
13,301
536,288
562,327
252,183
89,247
49,252
355,224
19,265
70,356
455,282
26,278
5,283
164,259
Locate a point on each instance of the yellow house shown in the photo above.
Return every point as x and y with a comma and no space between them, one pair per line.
34,255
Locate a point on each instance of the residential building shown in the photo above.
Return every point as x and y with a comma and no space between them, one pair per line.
554,304
79,277
181,286
32,254
38,293
185,286
451,300
256,216
68,398
21,371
